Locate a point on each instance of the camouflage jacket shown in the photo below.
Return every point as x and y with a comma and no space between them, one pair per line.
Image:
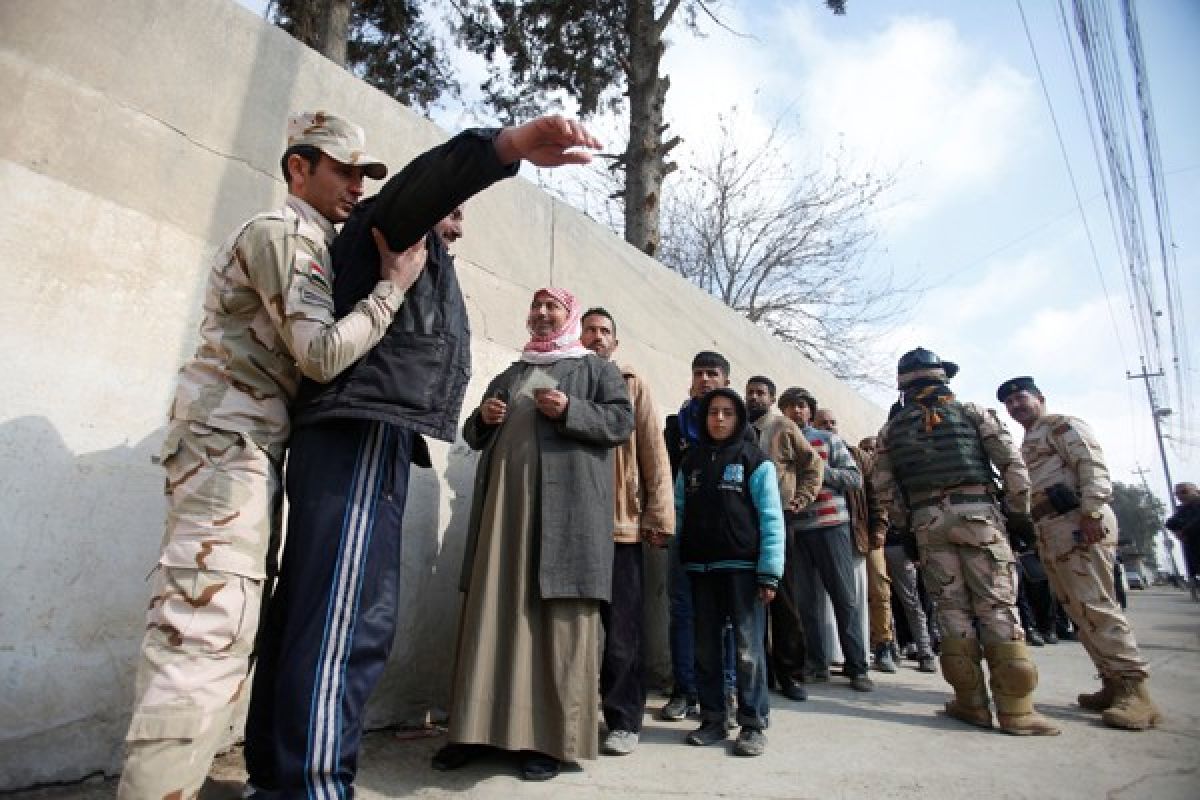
268,319
998,445
1062,449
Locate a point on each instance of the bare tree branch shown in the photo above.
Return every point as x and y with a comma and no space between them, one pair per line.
786,247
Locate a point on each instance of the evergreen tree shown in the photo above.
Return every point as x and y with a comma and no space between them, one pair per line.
387,43
1139,518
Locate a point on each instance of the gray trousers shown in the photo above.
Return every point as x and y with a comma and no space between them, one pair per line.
825,558
903,573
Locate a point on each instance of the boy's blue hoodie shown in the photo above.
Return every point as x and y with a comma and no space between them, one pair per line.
727,503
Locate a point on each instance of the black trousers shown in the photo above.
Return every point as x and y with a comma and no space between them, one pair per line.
329,625
622,686
786,654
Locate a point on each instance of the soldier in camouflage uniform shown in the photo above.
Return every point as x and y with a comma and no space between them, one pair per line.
934,472
1077,537
268,320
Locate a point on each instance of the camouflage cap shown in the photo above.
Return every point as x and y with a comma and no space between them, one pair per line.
337,138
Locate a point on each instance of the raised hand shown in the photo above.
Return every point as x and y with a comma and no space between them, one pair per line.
549,141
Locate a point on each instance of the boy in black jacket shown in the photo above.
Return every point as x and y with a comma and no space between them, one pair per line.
731,540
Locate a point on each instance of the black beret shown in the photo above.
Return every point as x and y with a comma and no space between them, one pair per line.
1024,383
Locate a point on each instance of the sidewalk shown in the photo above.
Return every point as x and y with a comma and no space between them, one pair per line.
842,744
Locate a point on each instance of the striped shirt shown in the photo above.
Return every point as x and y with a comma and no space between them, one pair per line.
841,474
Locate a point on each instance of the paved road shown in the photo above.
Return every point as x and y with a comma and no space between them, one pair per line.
841,744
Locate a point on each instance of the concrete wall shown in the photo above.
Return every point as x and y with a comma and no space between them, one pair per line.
134,135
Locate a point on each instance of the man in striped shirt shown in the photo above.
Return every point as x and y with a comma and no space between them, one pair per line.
824,550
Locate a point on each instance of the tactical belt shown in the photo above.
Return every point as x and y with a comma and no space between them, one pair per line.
956,496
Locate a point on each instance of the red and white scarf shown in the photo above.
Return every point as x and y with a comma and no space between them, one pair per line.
562,343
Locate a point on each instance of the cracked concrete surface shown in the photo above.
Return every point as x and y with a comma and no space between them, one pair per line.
840,744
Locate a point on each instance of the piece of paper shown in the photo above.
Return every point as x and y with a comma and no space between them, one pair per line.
538,379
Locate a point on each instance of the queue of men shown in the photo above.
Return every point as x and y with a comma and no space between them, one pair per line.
342,349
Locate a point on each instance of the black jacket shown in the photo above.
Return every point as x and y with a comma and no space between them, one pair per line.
720,522
678,444
417,375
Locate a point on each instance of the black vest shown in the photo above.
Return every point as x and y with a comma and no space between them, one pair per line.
720,520
949,455
417,375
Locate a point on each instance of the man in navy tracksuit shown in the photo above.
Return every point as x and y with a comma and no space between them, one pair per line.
731,542
328,627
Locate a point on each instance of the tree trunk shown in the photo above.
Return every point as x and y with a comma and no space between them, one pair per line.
332,29
645,156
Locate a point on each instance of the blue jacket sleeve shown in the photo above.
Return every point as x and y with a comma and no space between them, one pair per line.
764,489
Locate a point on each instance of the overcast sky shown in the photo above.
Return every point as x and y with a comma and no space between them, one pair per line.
945,95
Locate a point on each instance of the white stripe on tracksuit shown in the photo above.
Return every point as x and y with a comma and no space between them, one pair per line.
339,624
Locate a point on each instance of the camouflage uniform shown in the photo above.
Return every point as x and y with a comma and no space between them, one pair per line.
1061,450
268,319
966,561
934,473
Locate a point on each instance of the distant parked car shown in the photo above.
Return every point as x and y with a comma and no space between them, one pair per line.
1134,579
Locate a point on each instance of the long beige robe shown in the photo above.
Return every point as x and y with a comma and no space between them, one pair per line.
525,676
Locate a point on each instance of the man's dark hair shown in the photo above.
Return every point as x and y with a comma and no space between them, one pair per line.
707,358
308,152
795,396
598,311
765,381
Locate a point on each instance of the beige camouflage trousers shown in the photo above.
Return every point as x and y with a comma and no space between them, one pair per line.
968,570
1081,575
224,503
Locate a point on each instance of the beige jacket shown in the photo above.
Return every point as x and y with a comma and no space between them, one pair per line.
796,463
642,484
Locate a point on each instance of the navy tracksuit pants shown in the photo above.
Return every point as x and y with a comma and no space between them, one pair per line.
330,622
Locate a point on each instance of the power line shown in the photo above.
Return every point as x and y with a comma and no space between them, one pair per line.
1074,185
1170,267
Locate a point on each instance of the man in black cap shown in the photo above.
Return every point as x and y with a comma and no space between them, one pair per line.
934,472
1077,539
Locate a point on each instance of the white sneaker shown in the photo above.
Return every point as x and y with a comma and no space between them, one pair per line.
619,743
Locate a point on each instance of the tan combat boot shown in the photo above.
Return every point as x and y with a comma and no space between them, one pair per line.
1132,708
960,665
1101,700
1013,679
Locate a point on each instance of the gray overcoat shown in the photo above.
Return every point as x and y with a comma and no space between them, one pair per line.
576,473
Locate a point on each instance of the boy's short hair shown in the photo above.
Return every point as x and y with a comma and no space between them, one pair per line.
599,311
795,396
707,358
764,380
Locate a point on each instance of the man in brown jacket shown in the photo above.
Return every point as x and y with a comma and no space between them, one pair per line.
799,469
644,510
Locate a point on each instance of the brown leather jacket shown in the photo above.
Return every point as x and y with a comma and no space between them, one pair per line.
868,517
796,463
642,485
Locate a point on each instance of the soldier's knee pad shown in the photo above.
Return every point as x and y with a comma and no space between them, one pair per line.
960,662
1012,671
